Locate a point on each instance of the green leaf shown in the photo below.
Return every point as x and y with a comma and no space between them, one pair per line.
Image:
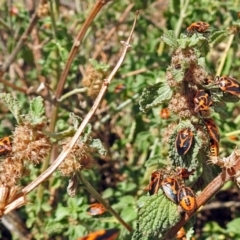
153,96
233,226
196,40
170,39
61,213
129,214
13,105
99,66
108,193
157,214
36,111
97,144
218,36
76,120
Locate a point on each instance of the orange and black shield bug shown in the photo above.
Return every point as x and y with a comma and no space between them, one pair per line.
96,209
202,100
119,88
109,234
165,113
170,188
212,129
229,85
198,27
184,141
155,182
183,173
214,148
186,199
5,146
181,234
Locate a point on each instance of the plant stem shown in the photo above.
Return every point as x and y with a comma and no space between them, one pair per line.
224,55
99,198
183,6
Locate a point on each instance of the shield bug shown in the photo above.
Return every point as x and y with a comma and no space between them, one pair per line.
198,27
165,113
5,146
186,199
214,148
228,85
96,209
104,234
155,182
183,173
212,129
202,100
184,141
170,188
181,234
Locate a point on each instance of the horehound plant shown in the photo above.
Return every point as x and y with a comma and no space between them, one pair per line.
192,95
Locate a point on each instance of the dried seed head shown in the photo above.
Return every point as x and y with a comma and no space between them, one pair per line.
11,171
30,145
79,158
93,81
180,105
168,132
196,74
42,10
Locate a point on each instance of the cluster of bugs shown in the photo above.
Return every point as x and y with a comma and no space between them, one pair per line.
202,102
173,187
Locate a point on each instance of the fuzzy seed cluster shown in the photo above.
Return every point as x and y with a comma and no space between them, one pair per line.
78,159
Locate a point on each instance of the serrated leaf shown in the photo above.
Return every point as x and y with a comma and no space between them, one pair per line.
86,132
13,105
97,144
170,39
153,96
218,37
193,41
76,120
157,214
220,108
36,111
190,159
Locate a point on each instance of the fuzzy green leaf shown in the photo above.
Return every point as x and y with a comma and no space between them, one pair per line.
13,105
97,144
218,37
153,96
36,111
99,66
193,41
190,159
170,39
157,214
76,120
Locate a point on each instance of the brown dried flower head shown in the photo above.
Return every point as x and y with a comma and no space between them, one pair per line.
78,159
93,81
30,144
180,105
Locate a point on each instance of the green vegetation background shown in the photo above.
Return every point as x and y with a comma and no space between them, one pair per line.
132,138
